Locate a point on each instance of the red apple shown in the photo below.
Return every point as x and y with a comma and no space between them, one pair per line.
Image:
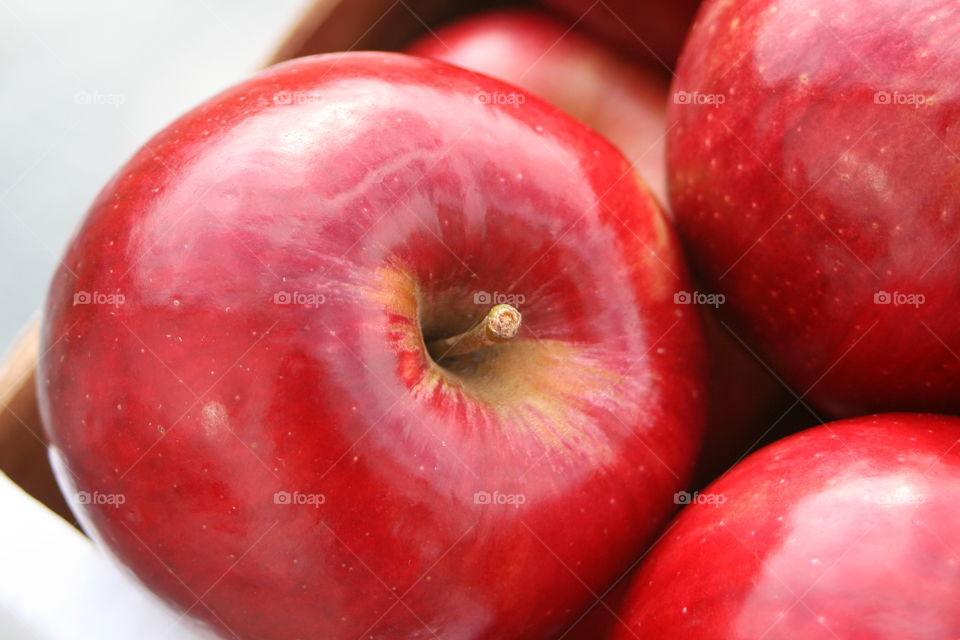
849,530
813,181
622,100
653,29
241,367
626,103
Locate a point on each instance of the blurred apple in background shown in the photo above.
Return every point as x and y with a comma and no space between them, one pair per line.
283,436
813,177
652,30
849,530
625,102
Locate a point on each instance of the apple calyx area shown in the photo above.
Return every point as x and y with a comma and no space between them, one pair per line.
500,324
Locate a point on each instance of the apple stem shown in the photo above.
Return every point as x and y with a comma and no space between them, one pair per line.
499,325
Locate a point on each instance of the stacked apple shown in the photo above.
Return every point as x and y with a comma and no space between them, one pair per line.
378,346
385,356
847,530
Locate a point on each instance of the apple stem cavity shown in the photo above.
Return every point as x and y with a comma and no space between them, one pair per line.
500,324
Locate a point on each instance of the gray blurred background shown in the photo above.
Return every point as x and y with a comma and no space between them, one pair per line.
82,85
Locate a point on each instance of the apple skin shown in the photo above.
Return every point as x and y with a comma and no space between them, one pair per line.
624,101
802,117
382,183
858,518
651,29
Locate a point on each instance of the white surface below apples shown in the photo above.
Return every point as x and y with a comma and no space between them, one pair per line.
55,584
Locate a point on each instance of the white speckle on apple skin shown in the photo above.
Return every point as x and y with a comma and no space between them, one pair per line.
213,417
